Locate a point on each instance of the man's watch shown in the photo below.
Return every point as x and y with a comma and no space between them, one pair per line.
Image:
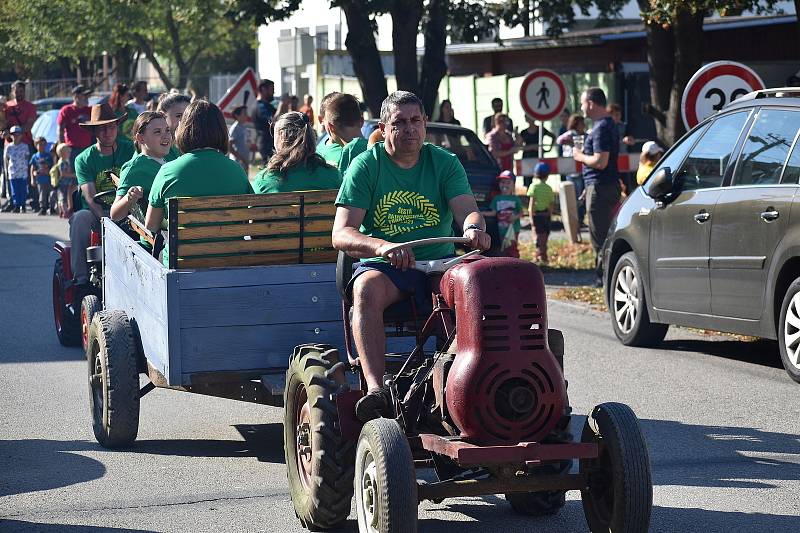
474,226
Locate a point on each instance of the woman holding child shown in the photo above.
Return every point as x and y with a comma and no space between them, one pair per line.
295,166
152,139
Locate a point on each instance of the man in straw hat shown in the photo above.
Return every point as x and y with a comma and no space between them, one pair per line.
92,168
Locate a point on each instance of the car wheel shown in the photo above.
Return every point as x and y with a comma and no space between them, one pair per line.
789,333
628,308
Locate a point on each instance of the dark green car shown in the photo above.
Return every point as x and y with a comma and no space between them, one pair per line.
712,239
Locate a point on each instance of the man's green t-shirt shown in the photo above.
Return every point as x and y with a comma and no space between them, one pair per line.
205,172
299,178
543,195
406,204
331,152
350,151
140,170
90,167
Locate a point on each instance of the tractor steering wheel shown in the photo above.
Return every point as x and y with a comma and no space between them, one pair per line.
435,265
101,195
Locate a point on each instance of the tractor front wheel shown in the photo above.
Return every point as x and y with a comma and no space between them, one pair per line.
619,496
386,483
319,462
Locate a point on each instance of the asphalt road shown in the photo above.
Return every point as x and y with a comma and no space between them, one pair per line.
721,420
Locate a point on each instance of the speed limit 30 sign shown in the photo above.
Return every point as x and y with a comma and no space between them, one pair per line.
713,87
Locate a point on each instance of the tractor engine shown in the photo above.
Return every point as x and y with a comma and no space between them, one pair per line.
505,385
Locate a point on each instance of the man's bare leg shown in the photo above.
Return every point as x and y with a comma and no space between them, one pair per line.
373,292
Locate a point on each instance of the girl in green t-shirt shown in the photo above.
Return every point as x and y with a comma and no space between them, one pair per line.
295,166
153,140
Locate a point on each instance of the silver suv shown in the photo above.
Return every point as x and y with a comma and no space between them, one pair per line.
712,239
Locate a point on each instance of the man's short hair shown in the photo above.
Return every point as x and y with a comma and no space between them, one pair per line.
167,100
343,110
323,105
139,85
239,109
596,95
38,140
266,83
202,126
614,108
395,100
497,100
18,83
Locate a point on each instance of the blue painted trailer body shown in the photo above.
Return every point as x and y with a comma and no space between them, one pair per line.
241,319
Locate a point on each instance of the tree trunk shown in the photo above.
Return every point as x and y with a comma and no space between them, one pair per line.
360,43
148,52
687,30
434,66
406,15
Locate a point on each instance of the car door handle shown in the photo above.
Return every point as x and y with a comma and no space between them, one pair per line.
702,216
769,215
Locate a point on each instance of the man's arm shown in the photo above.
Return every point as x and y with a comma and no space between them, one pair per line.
465,211
347,238
597,161
88,191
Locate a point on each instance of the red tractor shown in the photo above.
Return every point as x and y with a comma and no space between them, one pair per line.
486,409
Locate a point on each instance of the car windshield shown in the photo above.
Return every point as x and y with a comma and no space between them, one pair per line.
464,145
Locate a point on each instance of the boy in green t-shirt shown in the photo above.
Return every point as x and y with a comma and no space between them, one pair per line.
343,120
507,207
541,208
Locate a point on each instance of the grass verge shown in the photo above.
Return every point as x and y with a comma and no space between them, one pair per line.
563,255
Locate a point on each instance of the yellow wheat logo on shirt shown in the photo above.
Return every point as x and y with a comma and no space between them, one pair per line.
404,211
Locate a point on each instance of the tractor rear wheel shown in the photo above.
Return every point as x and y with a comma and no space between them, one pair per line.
90,306
68,327
619,496
386,483
319,462
113,379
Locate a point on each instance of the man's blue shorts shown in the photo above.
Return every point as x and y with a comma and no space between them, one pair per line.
411,282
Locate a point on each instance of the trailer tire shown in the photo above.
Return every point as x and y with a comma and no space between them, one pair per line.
386,483
90,306
113,380
68,327
319,462
619,496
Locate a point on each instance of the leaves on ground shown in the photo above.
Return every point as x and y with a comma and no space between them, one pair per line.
563,255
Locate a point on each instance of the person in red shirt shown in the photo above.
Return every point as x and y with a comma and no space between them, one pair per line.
21,112
69,118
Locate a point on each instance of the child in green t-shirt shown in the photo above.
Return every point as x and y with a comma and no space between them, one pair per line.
343,121
508,209
541,208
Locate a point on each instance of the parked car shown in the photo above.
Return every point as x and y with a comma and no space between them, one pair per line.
712,239
55,103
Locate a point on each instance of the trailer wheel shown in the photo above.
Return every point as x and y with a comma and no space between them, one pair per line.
386,484
68,328
113,379
90,306
319,463
619,496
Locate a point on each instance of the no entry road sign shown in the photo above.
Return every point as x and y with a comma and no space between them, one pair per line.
713,87
543,94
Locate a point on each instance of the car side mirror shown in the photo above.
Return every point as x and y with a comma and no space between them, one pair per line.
660,184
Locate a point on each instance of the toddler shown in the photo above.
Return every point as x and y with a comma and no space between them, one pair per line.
41,163
508,209
62,177
541,208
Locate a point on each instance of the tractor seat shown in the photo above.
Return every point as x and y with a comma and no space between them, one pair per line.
399,313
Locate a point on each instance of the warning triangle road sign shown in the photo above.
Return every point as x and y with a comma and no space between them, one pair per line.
243,92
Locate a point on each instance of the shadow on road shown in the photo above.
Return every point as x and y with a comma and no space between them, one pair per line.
38,527
262,441
31,465
720,456
761,352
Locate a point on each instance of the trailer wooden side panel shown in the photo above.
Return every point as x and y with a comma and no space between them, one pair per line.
137,283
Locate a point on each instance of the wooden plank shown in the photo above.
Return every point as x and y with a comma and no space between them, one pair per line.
266,229
255,245
250,306
328,256
251,347
256,276
257,200
255,214
143,232
136,282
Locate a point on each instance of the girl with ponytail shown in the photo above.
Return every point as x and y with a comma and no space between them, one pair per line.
295,165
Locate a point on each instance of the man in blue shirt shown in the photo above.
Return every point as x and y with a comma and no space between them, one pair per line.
600,174
262,118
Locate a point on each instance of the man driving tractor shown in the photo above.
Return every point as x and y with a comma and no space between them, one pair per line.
400,190
109,153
